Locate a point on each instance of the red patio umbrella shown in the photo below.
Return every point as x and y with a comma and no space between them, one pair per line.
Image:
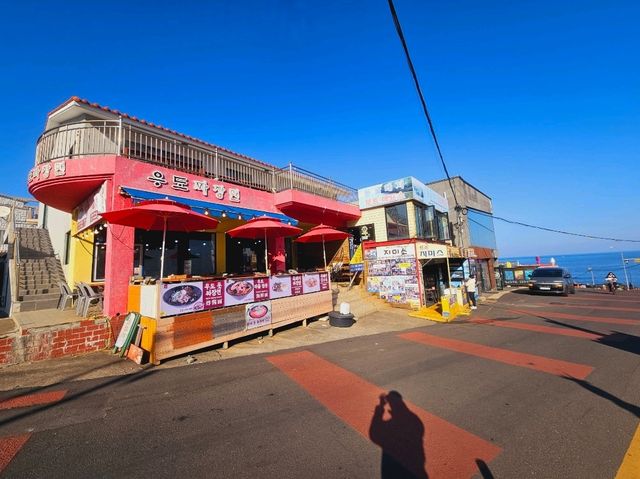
264,227
322,233
161,215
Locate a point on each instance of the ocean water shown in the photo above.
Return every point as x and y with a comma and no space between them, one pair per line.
600,263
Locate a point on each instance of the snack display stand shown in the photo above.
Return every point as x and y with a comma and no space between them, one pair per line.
180,316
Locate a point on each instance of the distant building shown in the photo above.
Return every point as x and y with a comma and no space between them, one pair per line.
473,227
25,211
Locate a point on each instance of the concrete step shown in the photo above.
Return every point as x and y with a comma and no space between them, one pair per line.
38,304
50,295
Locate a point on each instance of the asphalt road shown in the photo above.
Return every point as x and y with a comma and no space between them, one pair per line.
528,386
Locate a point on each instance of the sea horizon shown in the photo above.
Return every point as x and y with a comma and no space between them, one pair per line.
589,267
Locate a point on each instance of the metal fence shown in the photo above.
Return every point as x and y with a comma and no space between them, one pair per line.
88,138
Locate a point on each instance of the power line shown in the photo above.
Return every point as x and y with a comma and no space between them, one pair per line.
552,230
422,100
458,207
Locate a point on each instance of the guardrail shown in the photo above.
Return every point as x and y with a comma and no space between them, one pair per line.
89,138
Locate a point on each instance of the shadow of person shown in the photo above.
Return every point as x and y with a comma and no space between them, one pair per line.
400,434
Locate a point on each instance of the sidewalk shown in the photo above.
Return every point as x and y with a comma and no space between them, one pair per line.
104,364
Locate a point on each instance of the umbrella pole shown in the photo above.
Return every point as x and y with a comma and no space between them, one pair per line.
324,254
164,237
266,254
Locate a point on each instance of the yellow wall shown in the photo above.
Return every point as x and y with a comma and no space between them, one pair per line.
378,218
221,242
81,254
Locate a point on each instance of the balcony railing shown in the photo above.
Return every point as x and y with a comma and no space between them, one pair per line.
90,138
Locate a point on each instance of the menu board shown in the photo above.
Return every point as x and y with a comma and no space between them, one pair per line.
187,297
311,283
279,287
181,298
324,281
238,291
258,314
296,284
261,288
213,296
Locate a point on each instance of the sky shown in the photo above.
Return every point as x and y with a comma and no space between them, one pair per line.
537,104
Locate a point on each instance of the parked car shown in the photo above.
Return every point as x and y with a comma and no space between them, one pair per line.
551,280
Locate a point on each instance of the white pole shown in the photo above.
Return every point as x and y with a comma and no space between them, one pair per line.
624,267
159,287
324,254
164,237
266,256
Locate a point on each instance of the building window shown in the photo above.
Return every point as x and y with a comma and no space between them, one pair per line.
425,222
443,226
397,222
99,255
67,246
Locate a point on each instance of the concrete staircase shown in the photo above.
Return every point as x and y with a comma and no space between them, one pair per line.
39,272
360,301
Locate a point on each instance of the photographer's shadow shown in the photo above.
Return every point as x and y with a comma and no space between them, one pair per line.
400,434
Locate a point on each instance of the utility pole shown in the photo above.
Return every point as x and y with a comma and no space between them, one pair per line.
624,267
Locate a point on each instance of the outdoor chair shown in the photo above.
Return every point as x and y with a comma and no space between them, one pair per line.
89,297
65,295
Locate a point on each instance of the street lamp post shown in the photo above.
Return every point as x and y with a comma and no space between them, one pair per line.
593,279
624,267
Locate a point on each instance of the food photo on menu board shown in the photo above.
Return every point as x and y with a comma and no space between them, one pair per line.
181,298
238,291
311,283
258,314
279,286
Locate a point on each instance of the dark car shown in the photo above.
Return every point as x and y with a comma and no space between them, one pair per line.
551,280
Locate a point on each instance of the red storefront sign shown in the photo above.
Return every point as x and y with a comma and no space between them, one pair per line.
213,294
296,284
261,288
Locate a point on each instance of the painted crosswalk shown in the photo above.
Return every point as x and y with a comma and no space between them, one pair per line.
576,317
537,328
514,358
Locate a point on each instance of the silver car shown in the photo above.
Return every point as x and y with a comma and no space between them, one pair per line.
551,280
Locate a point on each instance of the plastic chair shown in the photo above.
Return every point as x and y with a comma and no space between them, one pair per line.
90,297
81,299
65,295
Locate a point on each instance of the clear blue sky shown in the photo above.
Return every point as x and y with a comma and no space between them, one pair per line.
535,103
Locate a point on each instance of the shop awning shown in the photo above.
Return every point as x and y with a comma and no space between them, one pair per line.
214,209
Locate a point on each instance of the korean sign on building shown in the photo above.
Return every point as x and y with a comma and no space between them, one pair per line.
181,183
432,251
408,188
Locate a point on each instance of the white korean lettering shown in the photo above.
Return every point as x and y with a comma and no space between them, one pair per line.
59,168
201,185
180,183
157,178
218,190
234,195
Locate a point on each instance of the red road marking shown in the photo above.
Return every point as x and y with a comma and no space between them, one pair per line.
592,297
450,451
9,447
32,399
539,329
594,319
612,308
530,361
